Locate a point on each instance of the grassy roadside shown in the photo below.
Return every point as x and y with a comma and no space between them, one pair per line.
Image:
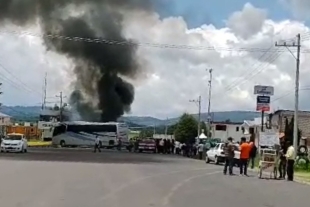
36,143
303,176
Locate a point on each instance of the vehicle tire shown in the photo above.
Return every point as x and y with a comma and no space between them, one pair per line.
140,151
207,159
216,160
302,149
62,143
22,150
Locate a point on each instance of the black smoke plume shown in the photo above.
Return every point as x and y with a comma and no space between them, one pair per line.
99,68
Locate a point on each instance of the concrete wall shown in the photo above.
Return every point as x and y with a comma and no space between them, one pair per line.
232,130
278,121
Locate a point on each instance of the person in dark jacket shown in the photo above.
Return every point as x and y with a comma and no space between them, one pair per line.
229,150
172,146
253,153
282,164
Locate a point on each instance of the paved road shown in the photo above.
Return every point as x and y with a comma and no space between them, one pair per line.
72,178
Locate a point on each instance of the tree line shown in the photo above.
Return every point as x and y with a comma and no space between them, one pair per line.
185,130
289,131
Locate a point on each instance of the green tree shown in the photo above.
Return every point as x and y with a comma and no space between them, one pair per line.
146,133
289,131
171,129
186,129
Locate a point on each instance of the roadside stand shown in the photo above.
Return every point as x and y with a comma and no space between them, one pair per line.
269,156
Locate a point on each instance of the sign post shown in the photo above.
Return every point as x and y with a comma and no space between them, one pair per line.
263,100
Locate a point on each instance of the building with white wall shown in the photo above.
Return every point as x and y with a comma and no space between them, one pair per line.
5,120
225,130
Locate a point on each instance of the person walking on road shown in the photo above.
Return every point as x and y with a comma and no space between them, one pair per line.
200,150
245,149
253,154
97,144
229,150
290,157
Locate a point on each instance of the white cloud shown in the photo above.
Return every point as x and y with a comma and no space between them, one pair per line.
300,8
247,22
174,76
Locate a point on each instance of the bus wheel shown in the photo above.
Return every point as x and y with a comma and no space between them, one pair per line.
62,143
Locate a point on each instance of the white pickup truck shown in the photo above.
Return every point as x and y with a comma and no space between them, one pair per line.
217,155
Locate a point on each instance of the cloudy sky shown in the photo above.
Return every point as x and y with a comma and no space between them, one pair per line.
231,37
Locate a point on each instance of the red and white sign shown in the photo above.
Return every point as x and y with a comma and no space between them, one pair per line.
263,103
262,107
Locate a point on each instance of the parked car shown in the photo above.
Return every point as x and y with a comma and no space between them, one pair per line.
14,142
217,155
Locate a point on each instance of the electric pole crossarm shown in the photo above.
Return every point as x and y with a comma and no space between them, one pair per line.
198,101
61,97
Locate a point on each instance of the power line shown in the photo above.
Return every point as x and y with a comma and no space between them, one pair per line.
287,93
146,44
269,59
251,74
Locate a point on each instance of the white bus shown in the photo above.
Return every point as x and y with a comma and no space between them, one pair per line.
81,133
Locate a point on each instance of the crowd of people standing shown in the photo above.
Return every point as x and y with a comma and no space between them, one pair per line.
248,152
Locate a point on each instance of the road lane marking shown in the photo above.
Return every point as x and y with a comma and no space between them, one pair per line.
128,184
175,188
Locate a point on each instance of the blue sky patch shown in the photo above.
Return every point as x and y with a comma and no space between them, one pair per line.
199,12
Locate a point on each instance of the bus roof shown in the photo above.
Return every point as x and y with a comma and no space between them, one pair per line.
90,123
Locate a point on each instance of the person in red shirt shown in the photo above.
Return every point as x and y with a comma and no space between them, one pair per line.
245,149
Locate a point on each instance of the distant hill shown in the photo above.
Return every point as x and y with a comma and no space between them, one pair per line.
31,113
221,116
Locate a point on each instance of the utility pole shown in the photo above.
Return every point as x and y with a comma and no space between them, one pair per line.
166,128
2,127
44,91
298,46
61,97
199,113
209,103
154,129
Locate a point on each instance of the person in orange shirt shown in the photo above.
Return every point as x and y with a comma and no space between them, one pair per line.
245,149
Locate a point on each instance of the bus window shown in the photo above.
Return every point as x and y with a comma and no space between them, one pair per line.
108,128
59,130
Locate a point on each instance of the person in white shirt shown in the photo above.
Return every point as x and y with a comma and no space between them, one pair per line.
161,146
290,157
97,144
200,150
177,147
